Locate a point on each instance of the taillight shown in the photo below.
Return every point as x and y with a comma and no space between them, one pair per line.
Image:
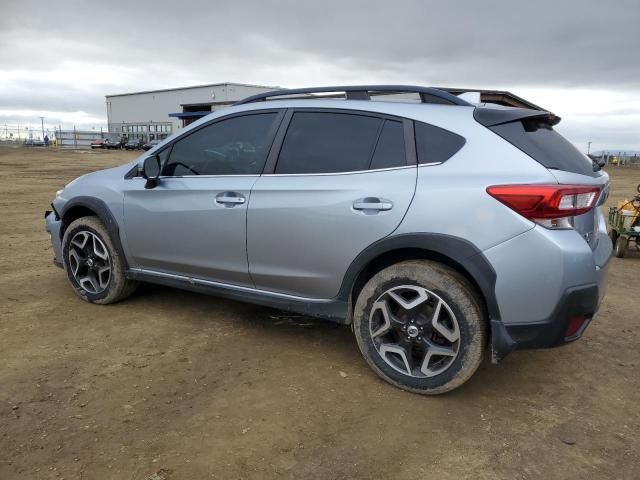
552,206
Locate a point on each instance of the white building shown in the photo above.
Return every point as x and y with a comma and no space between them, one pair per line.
156,114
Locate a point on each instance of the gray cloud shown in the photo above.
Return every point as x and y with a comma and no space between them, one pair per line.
142,45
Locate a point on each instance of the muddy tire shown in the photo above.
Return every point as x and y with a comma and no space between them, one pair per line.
94,267
421,326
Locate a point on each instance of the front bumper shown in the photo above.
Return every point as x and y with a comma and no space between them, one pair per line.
53,225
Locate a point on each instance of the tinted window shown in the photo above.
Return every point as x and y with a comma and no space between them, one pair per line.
234,146
539,140
328,142
390,148
434,144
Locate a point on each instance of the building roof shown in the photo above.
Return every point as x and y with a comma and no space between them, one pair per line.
193,86
500,97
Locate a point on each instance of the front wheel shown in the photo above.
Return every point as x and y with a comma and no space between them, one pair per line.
421,326
94,267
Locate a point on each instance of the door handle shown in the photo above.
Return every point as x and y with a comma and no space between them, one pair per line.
372,204
229,199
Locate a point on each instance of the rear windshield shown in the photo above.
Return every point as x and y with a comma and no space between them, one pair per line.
540,141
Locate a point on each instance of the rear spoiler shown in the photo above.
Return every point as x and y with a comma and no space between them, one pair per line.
490,117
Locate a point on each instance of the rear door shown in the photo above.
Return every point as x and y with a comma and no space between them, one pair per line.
336,181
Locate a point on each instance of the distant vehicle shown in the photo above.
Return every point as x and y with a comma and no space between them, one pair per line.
150,145
115,142
33,142
134,144
98,143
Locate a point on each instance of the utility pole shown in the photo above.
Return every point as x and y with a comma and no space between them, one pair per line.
42,124
588,148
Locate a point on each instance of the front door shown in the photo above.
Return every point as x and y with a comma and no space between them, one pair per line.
194,222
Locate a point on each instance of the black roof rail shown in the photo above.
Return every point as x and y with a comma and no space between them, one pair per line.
363,92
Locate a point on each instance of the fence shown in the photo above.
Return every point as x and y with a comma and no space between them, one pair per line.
73,138
78,138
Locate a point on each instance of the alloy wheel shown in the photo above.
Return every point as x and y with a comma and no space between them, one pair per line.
89,262
414,331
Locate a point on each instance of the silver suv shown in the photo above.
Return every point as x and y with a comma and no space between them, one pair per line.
438,229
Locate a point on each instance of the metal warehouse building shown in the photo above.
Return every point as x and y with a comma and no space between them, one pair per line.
156,114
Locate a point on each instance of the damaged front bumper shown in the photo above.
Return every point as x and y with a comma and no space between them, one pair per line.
53,226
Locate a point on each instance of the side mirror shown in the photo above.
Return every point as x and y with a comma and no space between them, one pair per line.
151,171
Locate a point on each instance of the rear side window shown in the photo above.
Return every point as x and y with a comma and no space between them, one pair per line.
435,144
540,141
318,142
390,150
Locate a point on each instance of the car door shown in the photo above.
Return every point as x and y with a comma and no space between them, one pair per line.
339,181
194,222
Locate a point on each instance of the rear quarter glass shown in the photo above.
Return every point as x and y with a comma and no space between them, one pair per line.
435,144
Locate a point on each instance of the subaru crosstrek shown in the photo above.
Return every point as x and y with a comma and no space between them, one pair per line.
439,229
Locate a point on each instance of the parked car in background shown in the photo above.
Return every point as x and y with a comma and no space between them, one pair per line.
442,231
134,144
98,143
33,142
150,145
115,142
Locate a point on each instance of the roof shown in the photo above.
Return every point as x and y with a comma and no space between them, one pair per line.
231,84
362,92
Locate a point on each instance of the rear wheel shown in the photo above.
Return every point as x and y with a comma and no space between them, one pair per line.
93,265
613,235
420,326
621,246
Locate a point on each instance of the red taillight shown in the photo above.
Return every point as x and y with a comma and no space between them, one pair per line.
539,202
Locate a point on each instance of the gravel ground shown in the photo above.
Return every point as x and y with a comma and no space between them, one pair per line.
175,385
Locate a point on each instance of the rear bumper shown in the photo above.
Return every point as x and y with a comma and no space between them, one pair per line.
576,302
53,225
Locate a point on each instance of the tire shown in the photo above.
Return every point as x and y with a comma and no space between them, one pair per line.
426,285
89,279
621,246
613,235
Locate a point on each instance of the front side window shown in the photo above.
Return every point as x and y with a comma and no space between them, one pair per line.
235,146
319,142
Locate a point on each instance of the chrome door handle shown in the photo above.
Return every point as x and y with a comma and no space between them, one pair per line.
372,203
229,199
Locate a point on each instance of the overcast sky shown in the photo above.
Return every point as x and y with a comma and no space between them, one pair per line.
577,58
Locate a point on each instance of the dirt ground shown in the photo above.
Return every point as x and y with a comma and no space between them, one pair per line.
176,385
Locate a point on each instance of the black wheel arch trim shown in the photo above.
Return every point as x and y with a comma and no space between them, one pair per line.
458,250
102,211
